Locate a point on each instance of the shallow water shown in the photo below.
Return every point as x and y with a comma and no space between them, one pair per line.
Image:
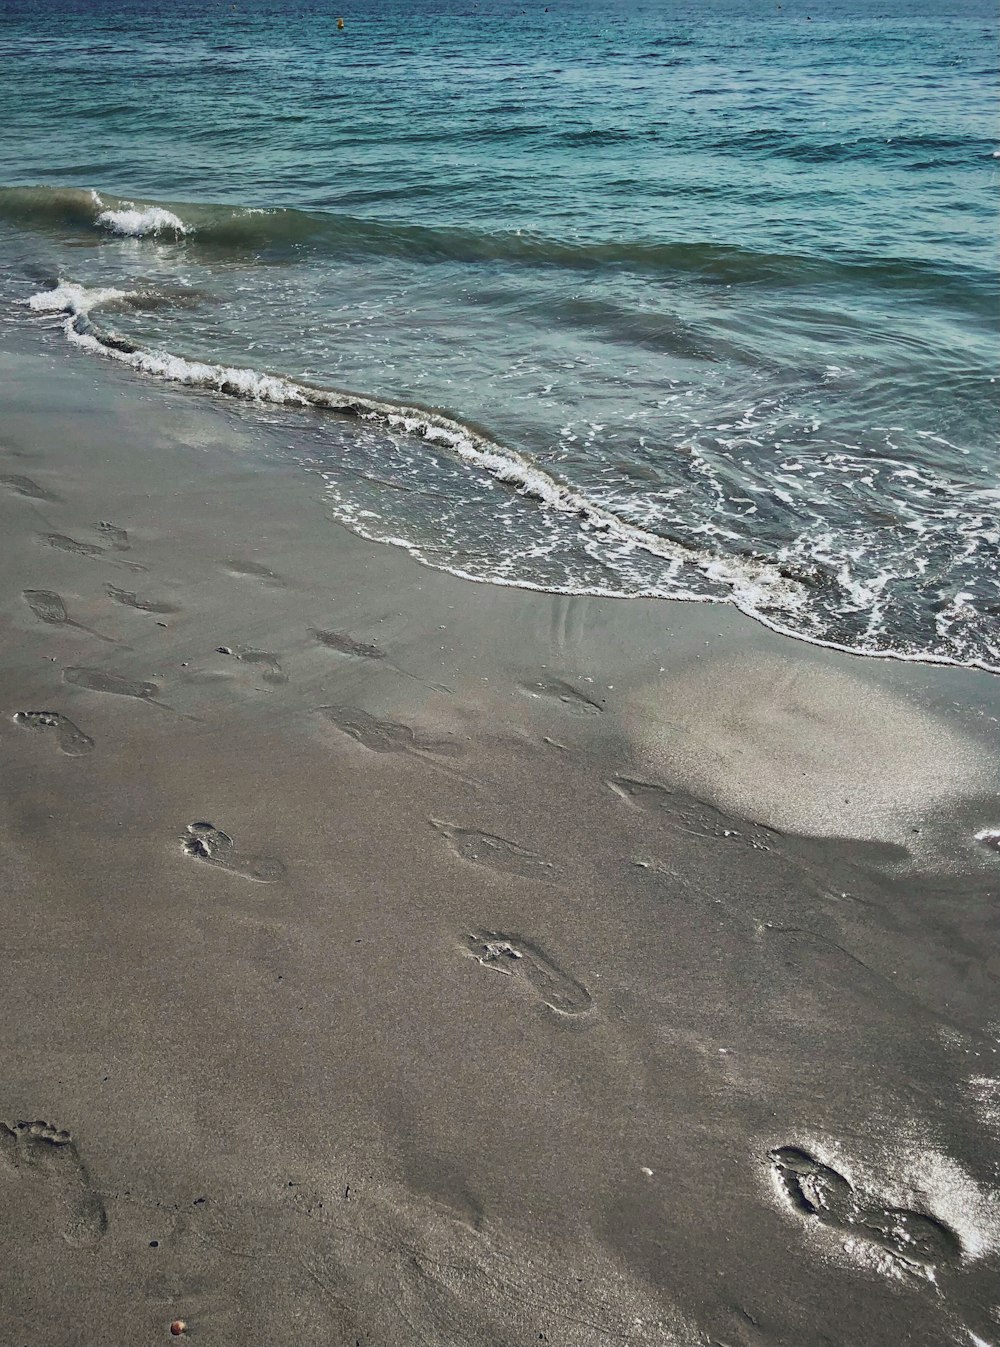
704,296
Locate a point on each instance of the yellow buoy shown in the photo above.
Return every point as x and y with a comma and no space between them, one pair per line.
340,23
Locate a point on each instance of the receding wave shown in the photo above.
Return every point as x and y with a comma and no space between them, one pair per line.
750,583
249,230
790,594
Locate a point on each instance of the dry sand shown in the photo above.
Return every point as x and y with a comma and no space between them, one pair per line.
392,960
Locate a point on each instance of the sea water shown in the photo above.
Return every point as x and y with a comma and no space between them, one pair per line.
668,299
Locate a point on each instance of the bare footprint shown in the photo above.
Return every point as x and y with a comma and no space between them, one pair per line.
62,543
272,670
49,607
384,736
249,570
912,1241
207,843
379,736
497,852
37,1149
24,486
347,645
514,956
128,600
556,689
113,535
97,680
692,816
70,739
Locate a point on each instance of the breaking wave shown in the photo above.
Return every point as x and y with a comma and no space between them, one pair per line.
243,230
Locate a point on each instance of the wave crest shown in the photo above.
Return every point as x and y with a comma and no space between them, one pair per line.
136,222
241,230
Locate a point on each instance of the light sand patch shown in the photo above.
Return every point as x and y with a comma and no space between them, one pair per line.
802,746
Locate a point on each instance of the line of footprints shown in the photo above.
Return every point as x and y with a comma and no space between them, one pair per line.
907,1240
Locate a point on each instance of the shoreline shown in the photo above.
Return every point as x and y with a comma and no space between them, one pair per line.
747,578
412,959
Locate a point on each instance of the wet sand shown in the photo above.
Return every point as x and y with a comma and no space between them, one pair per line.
390,960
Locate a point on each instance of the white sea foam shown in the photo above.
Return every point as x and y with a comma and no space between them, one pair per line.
137,221
67,297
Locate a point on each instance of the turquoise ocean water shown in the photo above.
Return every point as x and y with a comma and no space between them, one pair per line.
691,300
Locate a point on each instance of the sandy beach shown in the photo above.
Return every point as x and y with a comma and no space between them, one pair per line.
390,959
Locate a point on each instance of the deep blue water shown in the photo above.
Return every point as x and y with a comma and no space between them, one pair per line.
705,295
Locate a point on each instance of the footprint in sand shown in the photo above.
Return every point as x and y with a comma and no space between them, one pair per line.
347,645
912,1241
272,670
113,536
516,957
128,600
207,843
24,486
49,607
249,570
556,689
70,739
497,852
96,680
62,543
383,736
692,816
37,1149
